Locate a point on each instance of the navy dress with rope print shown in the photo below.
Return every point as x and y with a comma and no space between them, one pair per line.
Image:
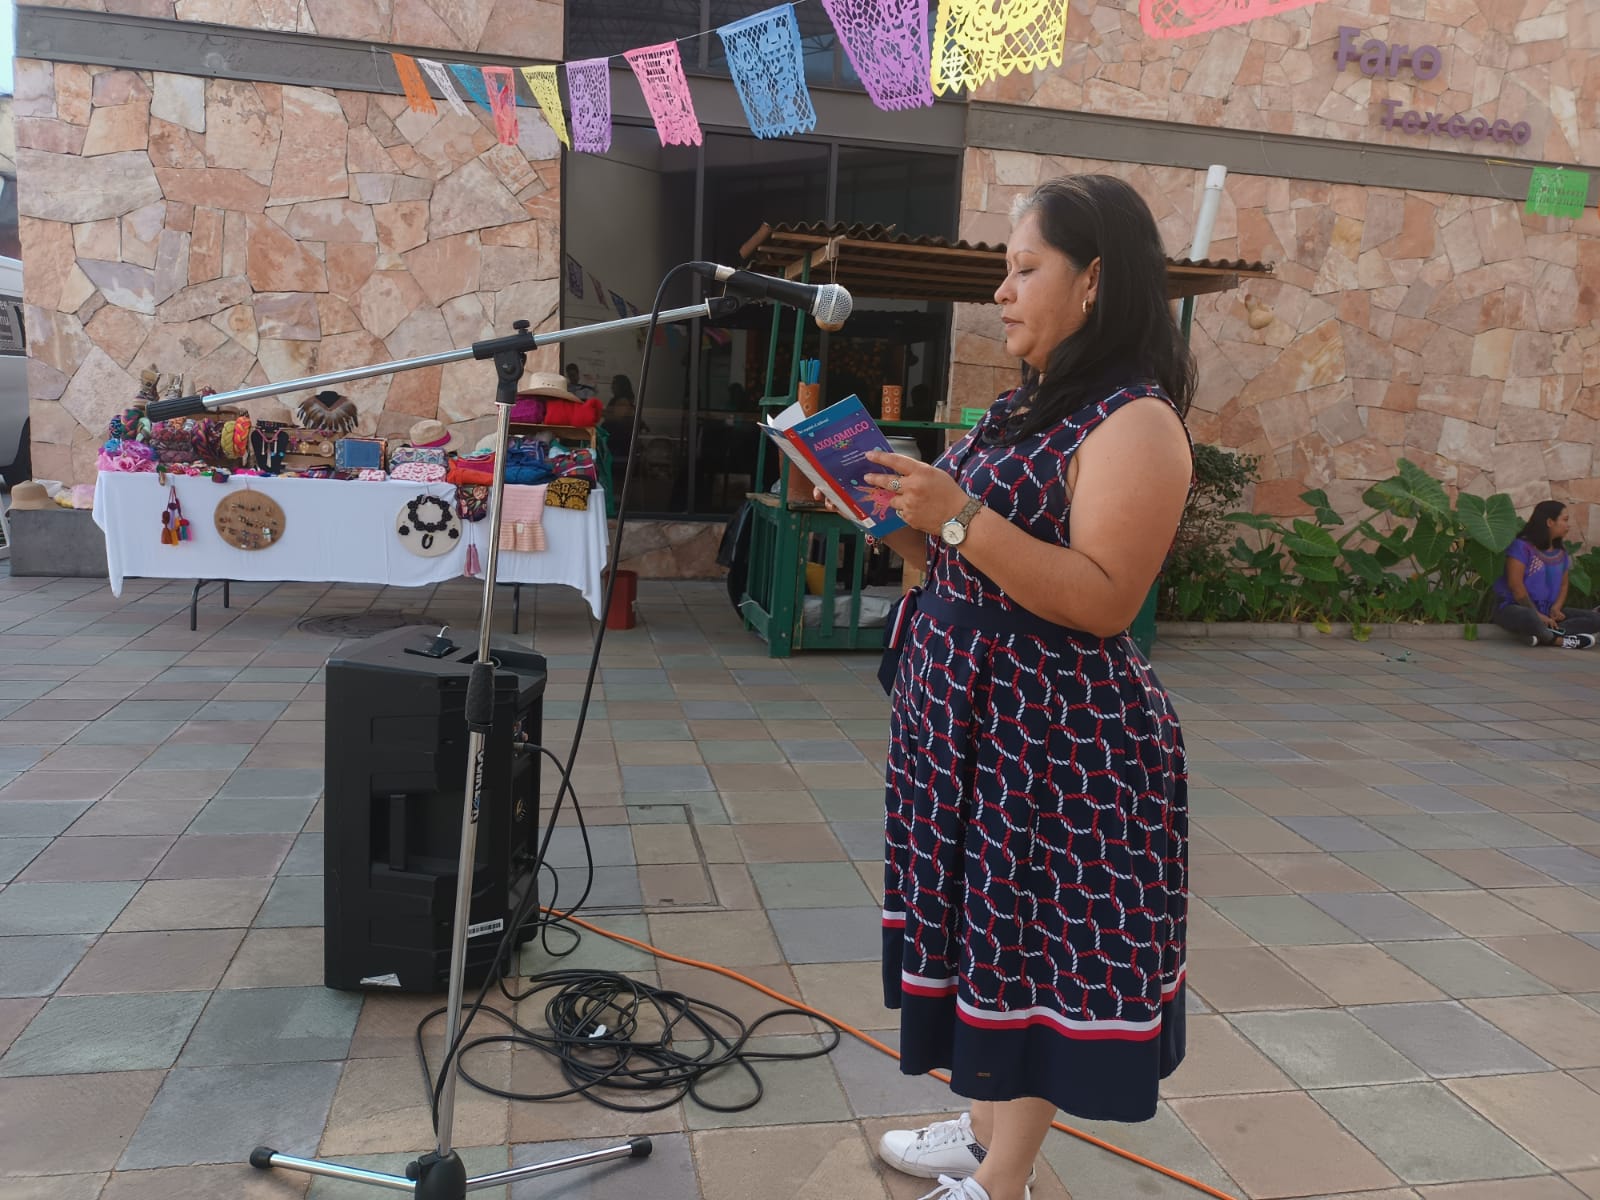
1035,879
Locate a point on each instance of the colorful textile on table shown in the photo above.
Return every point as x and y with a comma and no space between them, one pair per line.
522,519
542,83
659,70
589,88
975,41
887,44
1035,868
768,69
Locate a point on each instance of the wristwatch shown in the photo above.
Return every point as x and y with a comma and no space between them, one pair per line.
954,531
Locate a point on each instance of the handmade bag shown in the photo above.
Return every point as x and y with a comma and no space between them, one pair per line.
571,493
428,455
358,454
308,448
416,472
472,501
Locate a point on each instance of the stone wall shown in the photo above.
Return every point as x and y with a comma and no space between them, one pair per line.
239,233
524,29
1518,60
1456,331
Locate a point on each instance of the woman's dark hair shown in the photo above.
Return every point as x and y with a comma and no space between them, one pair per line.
1537,531
621,388
1130,332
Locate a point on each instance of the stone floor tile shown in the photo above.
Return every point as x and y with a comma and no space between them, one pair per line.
53,1187
1218,1061
1560,960
1558,1028
1563,908
1445,1039
180,756
1478,913
743,751
206,1114
607,847
38,819
727,939
1403,870
1282,920
277,958
1425,1135
806,885
1248,980
116,818
192,904
668,1174
1322,1048
797,1090
224,856
35,965
851,992
306,857
1568,864
16,853
98,859
1381,916
1465,969
271,783
1551,1114
72,1123
94,758
1218,875
381,1107
1315,872
80,1035
792,843
829,935
237,1181
146,784
668,884
15,1013
166,961
1587,1182
1543,1187
36,908
60,785
1339,835
273,1025
657,844
788,1160
259,815
534,1072
208,733
387,1025
124,733
770,808
39,733
1273,1144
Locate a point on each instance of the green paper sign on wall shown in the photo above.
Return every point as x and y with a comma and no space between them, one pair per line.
1556,192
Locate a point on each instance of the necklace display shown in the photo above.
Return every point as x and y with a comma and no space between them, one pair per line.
428,525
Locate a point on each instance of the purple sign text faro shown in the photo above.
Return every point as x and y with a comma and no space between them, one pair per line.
1376,56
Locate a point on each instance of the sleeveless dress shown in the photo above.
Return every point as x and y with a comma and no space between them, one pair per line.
1035,874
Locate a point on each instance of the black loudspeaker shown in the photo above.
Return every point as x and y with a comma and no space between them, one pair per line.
396,773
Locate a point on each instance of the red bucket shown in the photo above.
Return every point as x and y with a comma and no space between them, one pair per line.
623,613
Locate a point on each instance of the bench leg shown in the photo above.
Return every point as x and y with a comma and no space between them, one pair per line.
516,608
194,605
226,595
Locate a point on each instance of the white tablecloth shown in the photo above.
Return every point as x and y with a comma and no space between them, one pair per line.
335,531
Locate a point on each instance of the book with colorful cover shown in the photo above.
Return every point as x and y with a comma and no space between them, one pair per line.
830,449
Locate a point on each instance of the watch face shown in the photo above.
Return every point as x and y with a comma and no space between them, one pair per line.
954,533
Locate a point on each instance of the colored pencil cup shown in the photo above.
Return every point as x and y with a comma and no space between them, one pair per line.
890,409
810,398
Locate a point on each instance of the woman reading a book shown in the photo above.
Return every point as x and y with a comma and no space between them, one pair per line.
1036,858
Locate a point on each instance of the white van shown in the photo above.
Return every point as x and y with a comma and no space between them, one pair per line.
16,458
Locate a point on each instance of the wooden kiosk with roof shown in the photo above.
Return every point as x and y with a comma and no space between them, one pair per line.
872,262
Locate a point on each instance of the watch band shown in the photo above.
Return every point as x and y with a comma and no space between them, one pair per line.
969,511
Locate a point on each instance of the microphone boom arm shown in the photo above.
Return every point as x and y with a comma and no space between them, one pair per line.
188,406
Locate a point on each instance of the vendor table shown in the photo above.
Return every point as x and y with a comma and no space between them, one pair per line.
335,531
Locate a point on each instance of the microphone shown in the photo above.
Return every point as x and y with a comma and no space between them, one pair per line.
829,303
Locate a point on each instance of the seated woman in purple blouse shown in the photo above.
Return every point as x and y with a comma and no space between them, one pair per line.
1531,597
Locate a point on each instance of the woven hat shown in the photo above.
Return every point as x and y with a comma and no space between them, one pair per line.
548,384
30,495
434,435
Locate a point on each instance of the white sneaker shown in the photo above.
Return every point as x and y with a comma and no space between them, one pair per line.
945,1149
964,1189
1576,641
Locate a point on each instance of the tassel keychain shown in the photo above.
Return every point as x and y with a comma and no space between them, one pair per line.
474,567
174,526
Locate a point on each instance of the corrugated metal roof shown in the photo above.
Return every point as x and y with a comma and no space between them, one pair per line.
878,261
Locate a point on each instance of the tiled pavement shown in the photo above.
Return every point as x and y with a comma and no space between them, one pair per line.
1395,944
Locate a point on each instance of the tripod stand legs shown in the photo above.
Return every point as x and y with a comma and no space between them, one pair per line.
442,1177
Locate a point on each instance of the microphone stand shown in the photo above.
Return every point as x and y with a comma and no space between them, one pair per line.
441,1175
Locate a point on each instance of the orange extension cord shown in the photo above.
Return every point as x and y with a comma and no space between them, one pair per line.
877,1045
